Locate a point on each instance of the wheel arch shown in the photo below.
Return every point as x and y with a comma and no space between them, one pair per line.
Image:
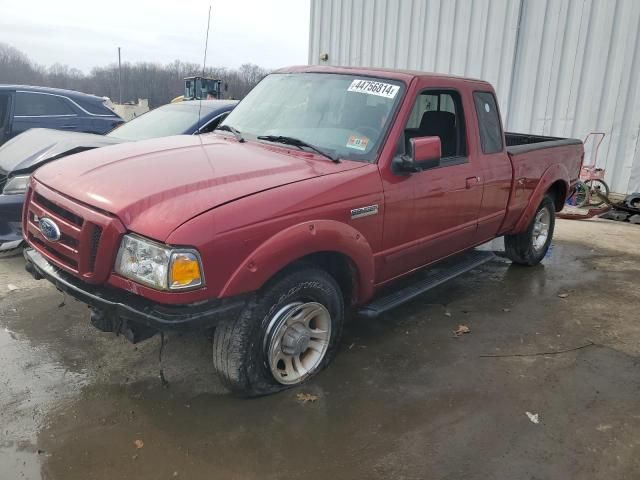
335,247
554,180
340,267
559,190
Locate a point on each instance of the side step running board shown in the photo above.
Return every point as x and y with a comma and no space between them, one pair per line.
430,278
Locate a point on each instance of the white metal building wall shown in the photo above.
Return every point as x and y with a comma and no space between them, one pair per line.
559,67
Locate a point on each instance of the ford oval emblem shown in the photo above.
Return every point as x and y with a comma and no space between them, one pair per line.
49,229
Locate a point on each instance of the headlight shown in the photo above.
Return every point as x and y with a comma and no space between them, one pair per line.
17,184
157,265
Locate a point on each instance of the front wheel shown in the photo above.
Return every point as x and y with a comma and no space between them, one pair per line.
285,335
530,246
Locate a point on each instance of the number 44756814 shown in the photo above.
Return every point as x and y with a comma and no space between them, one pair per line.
371,87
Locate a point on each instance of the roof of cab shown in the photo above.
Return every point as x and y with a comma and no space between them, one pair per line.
54,91
402,75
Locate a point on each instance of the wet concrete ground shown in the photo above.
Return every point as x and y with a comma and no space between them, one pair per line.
404,399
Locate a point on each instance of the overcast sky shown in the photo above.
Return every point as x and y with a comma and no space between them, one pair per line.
83,34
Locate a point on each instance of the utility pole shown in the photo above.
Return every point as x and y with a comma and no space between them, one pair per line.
119,76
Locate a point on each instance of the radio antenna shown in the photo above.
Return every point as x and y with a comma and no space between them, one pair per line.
204,65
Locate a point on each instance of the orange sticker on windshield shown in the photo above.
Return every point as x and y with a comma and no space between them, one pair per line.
359,143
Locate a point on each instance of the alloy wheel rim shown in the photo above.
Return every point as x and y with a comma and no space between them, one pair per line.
297,340
541,229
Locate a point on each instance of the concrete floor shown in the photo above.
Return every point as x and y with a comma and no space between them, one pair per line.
404,399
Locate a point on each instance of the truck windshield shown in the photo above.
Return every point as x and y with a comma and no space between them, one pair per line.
344,115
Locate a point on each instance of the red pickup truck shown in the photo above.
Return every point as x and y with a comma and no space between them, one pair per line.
322,187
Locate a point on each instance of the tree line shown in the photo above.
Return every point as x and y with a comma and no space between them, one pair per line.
159,83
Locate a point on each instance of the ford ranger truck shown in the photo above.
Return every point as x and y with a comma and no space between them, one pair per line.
322,189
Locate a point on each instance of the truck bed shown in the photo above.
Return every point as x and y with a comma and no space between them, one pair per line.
531,157
525,142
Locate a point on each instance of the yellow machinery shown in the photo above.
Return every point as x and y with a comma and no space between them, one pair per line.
197,88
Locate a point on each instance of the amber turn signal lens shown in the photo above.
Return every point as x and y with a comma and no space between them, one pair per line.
185,271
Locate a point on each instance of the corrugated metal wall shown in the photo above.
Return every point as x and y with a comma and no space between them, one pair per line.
560,67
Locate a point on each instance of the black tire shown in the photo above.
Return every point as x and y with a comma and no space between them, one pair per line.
520,248
239,353
600,186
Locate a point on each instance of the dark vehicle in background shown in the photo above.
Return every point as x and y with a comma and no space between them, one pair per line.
24,107
22,155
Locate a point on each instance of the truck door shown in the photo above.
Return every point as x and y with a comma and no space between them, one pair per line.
494,163
433,213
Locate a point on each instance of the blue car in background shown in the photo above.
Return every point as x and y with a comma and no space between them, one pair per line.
22,155
23,107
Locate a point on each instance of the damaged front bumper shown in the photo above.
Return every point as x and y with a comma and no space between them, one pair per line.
10,221
131,315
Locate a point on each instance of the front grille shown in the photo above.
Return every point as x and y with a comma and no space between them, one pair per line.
85,234
66,249
95,243
70,262
66,214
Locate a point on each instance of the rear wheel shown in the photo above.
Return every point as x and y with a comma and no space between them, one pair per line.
530,246
597,187
285,335
580,197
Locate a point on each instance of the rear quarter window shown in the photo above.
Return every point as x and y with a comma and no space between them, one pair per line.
488,122
94,107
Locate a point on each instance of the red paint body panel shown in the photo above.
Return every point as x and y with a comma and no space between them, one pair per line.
533,174
252,208
277,231
154,186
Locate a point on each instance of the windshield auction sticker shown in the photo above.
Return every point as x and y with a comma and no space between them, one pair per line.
359,143
374,88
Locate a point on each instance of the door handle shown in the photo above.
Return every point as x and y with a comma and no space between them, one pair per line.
472,182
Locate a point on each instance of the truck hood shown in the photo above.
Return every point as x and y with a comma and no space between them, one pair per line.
154,186
35,147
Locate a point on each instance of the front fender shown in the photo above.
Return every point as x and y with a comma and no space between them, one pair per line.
299,241
551,175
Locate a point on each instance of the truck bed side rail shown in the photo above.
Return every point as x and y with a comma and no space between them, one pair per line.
522,142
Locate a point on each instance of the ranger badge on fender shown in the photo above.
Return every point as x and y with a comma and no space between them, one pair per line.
364,211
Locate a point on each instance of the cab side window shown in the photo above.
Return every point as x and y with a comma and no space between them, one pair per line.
36,104
438,113
488,122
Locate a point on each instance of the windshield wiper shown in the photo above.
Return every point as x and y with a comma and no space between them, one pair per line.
235,131
296,142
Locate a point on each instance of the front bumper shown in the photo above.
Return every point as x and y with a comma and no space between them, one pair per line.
125,308
11,219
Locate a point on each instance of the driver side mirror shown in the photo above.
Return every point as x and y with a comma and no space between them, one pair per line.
425,152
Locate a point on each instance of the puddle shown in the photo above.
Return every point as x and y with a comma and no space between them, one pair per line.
32,383
19,464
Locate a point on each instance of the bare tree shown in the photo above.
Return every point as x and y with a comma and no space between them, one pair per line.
159,83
